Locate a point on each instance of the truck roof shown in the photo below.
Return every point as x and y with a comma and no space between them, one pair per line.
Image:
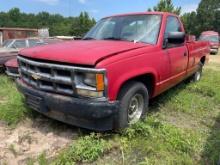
210,33
142,13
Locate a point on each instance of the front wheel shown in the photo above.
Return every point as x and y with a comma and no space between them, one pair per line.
133,104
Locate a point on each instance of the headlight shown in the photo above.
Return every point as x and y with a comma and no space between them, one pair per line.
90,79
90,84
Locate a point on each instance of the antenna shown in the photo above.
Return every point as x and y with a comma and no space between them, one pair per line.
69,8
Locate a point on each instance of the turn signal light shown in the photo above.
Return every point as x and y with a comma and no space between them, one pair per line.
100,82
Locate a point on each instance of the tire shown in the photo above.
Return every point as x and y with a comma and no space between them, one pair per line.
134,100
198,75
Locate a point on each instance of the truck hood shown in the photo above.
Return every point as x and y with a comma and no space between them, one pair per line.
80,52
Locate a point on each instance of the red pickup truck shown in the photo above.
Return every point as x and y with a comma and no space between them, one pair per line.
213,38
105,81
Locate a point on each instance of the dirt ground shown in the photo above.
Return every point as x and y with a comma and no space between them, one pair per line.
214,62
33,137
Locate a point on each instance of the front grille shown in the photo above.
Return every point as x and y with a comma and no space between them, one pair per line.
50,77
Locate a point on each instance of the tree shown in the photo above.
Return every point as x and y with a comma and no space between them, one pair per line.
57,24
190,23
166,6
208,15
82,24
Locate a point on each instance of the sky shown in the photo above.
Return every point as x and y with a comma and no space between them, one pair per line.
96,8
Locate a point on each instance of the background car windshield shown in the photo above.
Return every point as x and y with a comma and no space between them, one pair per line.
33,42
138,28
210,38
19,44
7,43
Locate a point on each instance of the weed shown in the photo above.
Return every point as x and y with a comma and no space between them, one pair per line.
12,109
13,150
86,149
42,160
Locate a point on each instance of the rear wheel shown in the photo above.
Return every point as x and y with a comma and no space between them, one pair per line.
133,104
198,75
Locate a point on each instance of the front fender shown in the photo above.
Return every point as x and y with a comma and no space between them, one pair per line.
120,79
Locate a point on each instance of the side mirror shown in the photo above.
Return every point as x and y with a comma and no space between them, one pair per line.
176,38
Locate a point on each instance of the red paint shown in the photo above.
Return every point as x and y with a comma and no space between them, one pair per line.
80,52
12,63
212,33
124,61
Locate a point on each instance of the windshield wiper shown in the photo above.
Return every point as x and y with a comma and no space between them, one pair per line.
116,39
113,38
88,38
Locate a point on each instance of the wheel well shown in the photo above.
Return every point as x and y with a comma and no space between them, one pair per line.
148,80
203,60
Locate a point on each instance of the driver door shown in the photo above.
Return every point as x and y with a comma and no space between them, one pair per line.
177,53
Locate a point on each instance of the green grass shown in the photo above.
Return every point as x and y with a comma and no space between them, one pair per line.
182,127
12,108
87,149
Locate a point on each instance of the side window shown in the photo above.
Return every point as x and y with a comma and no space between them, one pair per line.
20,44
173,25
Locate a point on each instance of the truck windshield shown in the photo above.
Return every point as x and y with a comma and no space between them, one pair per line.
133,28
210,38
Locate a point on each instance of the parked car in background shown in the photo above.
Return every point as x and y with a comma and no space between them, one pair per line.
213,38
12,68
10,48
105,81
12,64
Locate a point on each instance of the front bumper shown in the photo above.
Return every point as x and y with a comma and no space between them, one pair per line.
95,115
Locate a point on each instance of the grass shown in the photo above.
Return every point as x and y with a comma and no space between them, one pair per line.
12,108
182,127
87,149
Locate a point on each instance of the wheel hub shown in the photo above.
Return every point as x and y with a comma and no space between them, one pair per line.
135,108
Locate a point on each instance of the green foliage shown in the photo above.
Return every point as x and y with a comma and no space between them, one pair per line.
208,14
82,24
190,23
12,109
42,159
212,148
57,24
206,18
85,149
155,142
166,6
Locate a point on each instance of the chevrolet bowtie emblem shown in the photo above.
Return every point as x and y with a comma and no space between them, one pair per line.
35,76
